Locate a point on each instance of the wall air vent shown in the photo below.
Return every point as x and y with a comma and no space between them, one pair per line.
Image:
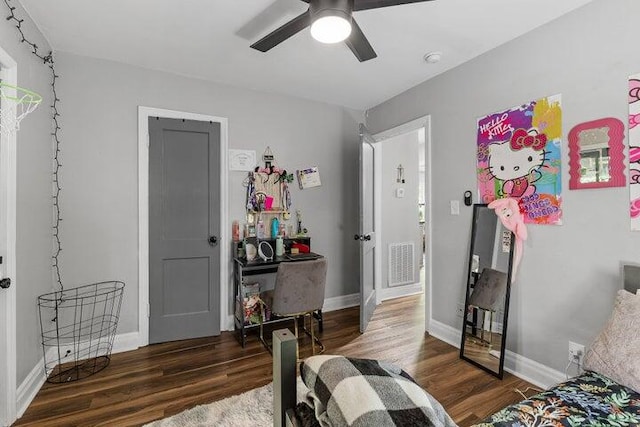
401,268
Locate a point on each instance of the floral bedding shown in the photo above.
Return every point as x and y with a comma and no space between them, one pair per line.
590,399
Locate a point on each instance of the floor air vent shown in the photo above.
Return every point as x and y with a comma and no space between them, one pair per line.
401,267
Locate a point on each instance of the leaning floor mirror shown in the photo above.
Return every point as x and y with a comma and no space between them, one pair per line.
484,328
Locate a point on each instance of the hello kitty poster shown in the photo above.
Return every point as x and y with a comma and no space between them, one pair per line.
519,157
634,150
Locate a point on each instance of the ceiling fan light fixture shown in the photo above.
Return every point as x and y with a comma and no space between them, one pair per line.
332,26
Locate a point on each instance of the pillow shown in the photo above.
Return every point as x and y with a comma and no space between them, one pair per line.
615,353
362,392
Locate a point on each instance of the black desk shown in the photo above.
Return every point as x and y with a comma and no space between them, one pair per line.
243,268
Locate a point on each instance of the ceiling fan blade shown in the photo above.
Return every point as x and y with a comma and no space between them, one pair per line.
359,44
376,4
279,35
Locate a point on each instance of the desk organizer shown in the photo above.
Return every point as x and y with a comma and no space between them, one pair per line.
78,327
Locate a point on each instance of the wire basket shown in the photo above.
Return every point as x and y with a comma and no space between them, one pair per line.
78,328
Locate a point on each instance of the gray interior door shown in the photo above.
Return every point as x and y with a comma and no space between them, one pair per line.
367,230
184,222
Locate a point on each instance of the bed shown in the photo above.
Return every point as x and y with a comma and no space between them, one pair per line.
591,399
608,392
361,392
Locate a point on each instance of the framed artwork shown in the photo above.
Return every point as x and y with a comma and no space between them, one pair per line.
518,156
634,150
596,154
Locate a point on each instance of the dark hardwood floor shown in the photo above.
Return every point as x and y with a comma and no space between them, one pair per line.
163,379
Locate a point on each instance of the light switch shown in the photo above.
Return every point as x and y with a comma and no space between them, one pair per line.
455,207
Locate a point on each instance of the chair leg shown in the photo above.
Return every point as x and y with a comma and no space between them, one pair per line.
318,316
314,339
295,327
490,329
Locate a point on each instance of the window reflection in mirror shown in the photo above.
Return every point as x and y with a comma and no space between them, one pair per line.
596,154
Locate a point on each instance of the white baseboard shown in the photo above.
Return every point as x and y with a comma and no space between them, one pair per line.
400,291
126,342
342,301
445,333
529,370
230,324
28,389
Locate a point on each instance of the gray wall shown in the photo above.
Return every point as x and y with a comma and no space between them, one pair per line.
101,171
400,215
34,274
570,273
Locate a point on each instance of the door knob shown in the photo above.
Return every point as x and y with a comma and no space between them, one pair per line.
367,237
5,283
357,237
213,240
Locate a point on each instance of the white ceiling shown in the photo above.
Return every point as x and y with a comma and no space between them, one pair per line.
209,39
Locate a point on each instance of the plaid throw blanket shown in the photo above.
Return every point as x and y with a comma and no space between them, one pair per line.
362,392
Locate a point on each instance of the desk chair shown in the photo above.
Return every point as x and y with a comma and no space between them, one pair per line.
298,291
489,294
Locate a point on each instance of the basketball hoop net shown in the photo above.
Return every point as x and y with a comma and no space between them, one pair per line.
15,104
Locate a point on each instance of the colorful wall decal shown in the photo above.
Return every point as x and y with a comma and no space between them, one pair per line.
634,150
519,157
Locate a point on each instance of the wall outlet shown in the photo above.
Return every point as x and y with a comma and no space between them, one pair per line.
460,311
576,353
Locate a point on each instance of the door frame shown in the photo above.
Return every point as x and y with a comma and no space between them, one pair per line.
423,122
143,213
8,176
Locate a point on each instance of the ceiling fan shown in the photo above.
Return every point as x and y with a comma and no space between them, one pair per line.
331,21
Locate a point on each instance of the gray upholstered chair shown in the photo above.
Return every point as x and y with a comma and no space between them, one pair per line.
298,291
489,294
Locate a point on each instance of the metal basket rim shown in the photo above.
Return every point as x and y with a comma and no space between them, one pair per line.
68,293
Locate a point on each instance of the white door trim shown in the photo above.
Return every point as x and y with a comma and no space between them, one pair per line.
143,212
8,167
422,122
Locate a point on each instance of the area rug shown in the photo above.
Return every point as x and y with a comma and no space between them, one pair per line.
252,408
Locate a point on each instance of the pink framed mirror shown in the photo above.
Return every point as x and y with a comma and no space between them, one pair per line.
596,154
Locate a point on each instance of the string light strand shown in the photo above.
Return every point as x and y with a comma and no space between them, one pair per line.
47,59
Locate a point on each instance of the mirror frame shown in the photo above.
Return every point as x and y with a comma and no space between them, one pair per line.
616,154
500,373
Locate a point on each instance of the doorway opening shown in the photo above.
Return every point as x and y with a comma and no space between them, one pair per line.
403,211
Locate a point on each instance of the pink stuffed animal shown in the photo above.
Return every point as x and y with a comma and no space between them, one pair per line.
509,213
